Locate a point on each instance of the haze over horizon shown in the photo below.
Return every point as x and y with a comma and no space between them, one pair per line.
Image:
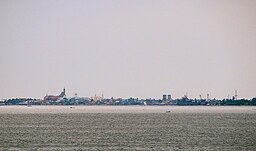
130,48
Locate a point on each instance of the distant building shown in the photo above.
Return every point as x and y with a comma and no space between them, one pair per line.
164,97
2,102
169,98
97,98
55,97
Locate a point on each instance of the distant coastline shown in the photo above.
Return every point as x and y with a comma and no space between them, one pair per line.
184,101
166,100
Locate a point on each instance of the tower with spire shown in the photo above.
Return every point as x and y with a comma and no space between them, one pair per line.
63,93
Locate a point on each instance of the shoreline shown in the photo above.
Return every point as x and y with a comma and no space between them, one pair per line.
41,109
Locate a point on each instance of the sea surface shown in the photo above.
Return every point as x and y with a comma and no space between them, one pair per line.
128,128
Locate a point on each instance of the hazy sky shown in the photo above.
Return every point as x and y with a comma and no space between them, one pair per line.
123,48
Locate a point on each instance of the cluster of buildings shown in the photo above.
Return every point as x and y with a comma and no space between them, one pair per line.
62,99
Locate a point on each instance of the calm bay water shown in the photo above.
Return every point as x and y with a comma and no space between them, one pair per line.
127,128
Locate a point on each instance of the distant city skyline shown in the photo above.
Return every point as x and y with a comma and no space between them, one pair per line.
130,48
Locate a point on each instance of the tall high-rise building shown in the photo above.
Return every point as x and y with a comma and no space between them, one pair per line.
164,97
169,97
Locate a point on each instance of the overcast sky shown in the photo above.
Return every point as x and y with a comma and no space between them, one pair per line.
123,48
